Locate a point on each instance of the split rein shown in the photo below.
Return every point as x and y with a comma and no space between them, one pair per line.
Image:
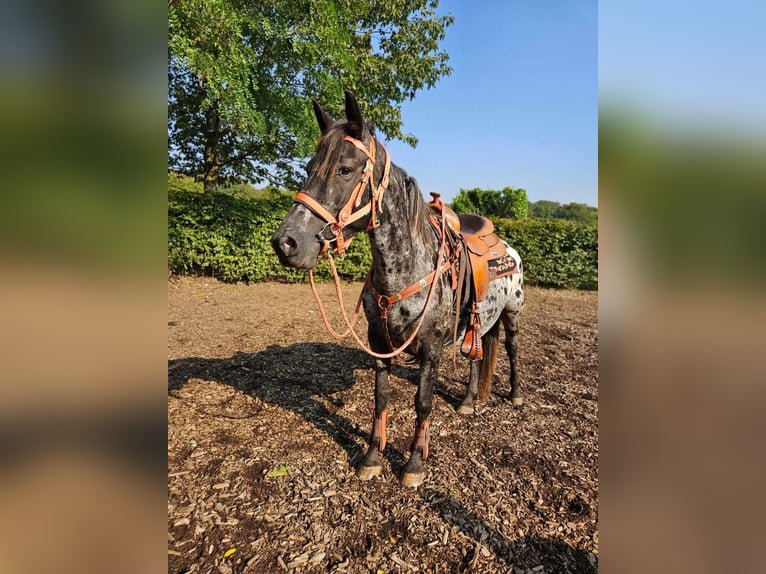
346,217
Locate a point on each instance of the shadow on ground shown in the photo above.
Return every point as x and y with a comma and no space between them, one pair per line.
294,377
528,552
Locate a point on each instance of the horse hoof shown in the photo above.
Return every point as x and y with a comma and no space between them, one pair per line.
465,410
367,472
413,479
517,401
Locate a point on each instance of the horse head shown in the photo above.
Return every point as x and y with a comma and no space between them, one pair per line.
339,197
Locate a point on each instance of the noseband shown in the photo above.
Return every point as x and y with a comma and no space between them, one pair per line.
351,211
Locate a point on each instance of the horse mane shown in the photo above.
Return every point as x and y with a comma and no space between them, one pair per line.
416,206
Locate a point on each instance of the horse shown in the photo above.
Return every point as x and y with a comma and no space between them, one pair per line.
410,243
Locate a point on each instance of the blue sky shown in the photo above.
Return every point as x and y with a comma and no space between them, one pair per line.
691,64
520,108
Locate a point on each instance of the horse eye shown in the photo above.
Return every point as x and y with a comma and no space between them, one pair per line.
345,170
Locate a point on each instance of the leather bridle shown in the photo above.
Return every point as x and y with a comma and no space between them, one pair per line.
351,211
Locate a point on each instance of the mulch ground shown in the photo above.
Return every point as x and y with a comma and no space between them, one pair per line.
268,416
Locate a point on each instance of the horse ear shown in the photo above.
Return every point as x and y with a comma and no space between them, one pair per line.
323,118
354,116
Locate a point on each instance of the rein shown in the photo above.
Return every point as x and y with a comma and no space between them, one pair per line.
350,323
347,216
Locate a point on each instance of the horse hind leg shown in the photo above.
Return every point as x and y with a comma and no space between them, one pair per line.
481,373
511,325
467,406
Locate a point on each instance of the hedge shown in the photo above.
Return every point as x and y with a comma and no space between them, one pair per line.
555,253
228,237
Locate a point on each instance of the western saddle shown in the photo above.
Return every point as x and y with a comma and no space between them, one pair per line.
483,247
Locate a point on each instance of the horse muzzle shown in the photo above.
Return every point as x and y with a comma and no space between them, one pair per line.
294,252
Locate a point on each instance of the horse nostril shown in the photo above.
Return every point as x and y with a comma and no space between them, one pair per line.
288,245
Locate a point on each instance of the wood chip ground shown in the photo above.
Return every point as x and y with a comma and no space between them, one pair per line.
268,415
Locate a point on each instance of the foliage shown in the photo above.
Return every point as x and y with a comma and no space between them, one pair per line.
545,209
512,204
244,189
228,236
508,203
181,182
241,74
554,253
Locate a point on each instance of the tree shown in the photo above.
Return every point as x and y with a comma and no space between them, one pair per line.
581,212
476,200
515,204
510,203
241,74
544,209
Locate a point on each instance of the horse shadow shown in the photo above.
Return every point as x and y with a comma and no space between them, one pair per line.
526,552
304,378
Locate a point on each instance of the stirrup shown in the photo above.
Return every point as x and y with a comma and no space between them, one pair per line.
472,347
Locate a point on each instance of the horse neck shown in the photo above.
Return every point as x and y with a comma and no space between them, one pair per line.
403,246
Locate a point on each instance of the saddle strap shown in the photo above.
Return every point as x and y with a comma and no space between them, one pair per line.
385,301
463,263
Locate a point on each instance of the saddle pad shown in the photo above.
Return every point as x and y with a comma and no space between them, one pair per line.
505,265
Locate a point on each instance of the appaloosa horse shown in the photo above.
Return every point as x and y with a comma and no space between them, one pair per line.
419,295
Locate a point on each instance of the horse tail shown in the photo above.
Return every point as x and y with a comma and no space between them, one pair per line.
487,364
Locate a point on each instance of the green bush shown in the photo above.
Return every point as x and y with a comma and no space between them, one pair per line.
509,202
228,237
181,182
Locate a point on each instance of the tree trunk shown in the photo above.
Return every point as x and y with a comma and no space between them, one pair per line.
212,161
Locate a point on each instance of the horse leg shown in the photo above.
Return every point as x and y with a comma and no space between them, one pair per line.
480,378
370,465
511,325
466,407
414,471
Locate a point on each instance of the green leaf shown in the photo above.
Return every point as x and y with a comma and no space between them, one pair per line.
279,470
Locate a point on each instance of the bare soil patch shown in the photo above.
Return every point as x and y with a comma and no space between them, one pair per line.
268,416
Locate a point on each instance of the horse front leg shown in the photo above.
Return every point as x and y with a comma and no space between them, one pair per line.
414,471
370,466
